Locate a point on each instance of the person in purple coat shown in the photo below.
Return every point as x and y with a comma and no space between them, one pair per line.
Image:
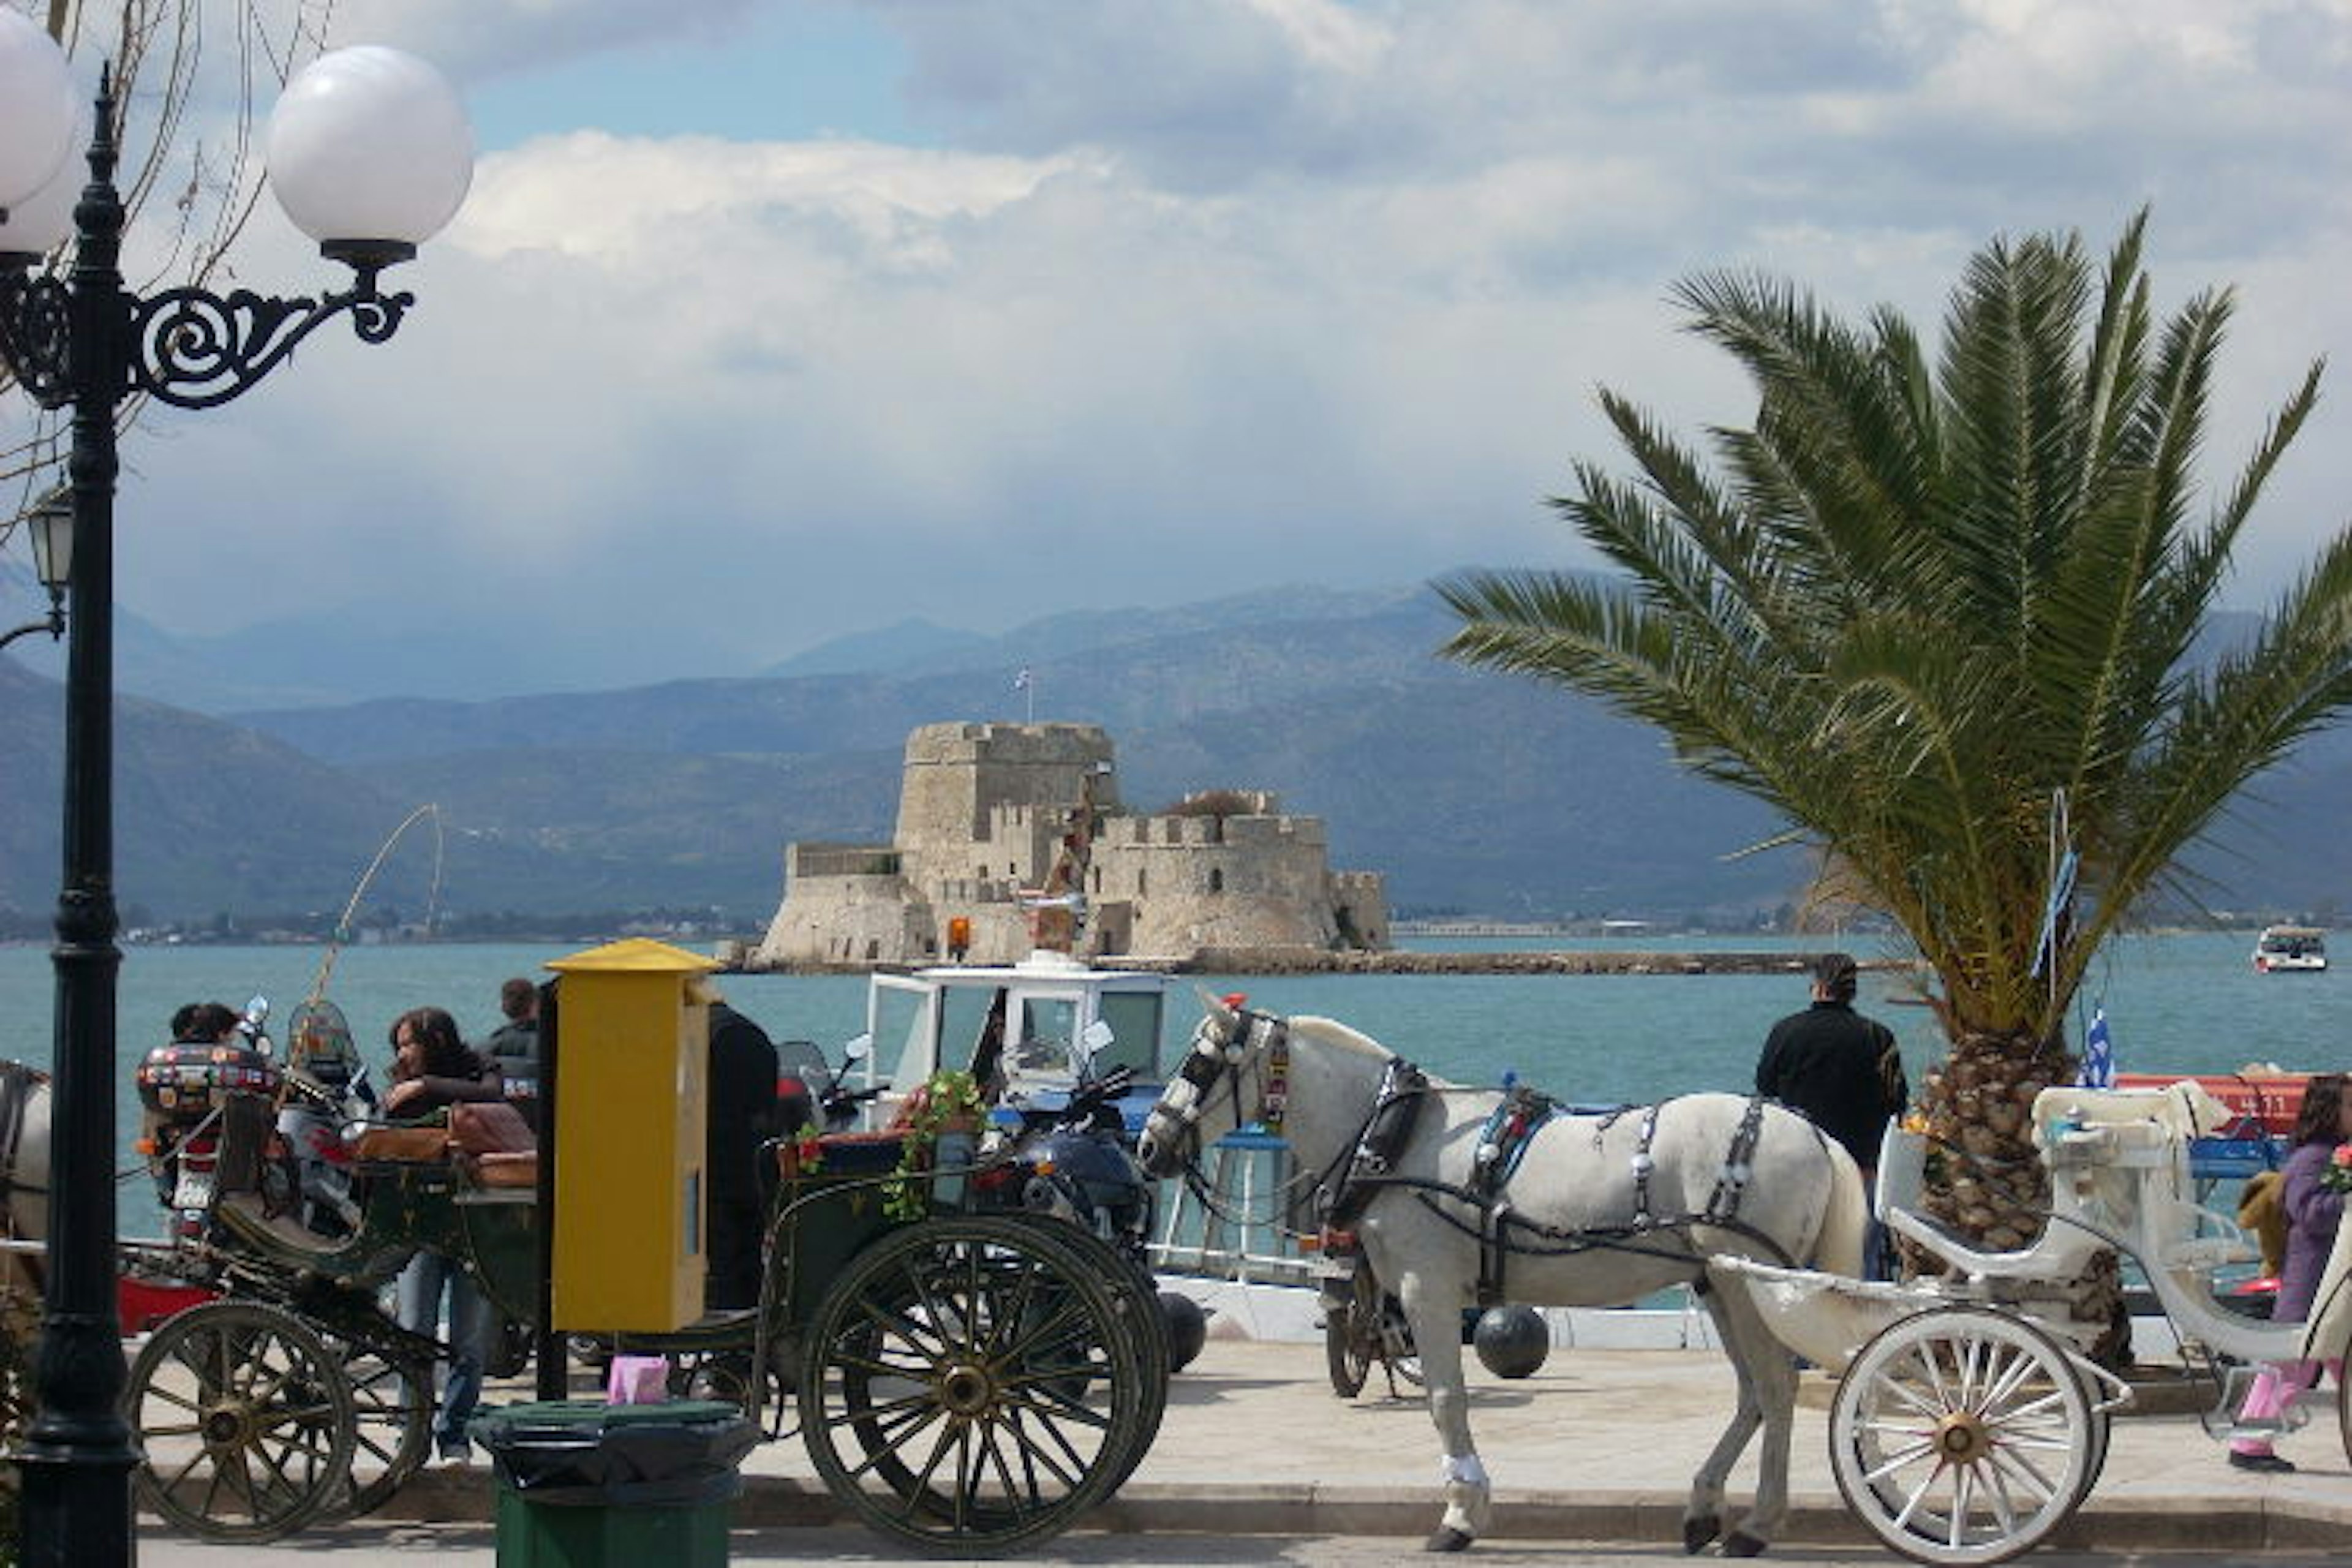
2314,1210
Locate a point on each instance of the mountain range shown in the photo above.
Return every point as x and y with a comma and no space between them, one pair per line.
1471,792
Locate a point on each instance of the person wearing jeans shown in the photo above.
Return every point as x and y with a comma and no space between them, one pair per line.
472,1320
431,1069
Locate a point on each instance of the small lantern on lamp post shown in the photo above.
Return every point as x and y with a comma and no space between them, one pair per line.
50,529
369,153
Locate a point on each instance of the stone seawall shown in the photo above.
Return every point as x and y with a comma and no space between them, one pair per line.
1303,960
1316,960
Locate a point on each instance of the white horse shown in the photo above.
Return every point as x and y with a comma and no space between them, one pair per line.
1585,1210
24,1185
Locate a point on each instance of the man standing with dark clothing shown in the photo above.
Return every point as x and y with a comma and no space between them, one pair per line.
1840,1069
514,1047
742,1116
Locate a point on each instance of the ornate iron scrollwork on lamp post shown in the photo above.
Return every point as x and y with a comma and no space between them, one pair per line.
366,143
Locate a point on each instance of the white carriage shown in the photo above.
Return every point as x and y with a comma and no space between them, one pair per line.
1968,1423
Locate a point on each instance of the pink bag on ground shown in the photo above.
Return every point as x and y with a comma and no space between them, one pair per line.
637,1380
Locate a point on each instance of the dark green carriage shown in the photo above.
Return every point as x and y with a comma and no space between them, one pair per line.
968,1381
296,1396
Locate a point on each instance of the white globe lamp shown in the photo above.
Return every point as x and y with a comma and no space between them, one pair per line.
40,223
369,153
36,107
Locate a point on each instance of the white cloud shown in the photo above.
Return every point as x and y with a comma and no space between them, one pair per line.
1185,298
479,38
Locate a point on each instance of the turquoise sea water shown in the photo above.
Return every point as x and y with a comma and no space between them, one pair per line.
2175,1002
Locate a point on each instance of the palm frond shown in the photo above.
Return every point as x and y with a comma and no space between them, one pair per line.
1915,598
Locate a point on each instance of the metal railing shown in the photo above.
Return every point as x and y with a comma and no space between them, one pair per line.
1238,1232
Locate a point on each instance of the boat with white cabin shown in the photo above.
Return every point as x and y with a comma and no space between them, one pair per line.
2290,950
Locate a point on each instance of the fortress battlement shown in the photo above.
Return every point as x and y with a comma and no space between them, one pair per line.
983,812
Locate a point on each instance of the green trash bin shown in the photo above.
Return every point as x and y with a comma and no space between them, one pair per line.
583,1484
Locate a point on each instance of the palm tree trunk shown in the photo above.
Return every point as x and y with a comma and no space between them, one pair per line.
1988,1184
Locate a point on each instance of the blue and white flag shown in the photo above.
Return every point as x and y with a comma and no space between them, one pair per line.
2098,1054
1021,681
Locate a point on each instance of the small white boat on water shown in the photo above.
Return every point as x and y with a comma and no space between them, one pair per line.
2290,949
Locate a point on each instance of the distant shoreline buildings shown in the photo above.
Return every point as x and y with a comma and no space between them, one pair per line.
986,811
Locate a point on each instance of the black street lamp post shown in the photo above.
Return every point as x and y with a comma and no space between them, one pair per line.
84,342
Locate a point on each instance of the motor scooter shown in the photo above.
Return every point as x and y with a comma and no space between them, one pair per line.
208,1106
811,1094
326,1091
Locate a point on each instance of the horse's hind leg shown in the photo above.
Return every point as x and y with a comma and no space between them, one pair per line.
1702,1517
1768,1393
1437,1336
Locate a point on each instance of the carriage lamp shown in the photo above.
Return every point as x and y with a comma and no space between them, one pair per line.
49,527
368,152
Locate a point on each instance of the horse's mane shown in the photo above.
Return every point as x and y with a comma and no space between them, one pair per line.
1332,1032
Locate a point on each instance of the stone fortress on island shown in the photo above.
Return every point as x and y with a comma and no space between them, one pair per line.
992,816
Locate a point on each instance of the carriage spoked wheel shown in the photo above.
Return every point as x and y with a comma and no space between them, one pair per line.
1963,1435
1369,1330
968,1385
1142,1322
392,1422
245,1421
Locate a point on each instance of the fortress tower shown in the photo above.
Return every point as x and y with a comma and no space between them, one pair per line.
983,810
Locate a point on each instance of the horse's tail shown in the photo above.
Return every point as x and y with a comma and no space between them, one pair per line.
1845,1220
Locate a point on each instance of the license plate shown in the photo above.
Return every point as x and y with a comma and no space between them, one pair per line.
193,1191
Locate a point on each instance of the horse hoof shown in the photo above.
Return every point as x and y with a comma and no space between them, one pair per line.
1448,1539
1739,1544
1697,1532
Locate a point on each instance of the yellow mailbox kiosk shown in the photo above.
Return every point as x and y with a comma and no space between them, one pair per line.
631,1064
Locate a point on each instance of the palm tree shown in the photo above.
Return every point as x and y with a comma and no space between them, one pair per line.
1920,609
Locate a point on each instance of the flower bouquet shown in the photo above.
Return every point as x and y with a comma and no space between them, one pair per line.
2337,1174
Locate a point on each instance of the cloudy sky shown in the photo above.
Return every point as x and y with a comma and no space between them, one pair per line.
772,319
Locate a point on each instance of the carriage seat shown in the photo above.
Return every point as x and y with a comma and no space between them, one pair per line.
488,1140
2123,1154
2130,1127
2063,1250
846,1153
402,1145
495,1145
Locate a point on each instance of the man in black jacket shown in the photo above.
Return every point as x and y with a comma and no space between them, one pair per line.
1842,1070
514,1046
741,1117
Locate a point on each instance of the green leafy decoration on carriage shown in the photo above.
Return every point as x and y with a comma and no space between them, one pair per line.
949,1101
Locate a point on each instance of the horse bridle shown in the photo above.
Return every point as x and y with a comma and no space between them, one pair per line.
1209,1066
1206,1066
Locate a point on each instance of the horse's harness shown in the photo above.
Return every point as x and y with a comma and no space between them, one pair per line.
1368,1165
